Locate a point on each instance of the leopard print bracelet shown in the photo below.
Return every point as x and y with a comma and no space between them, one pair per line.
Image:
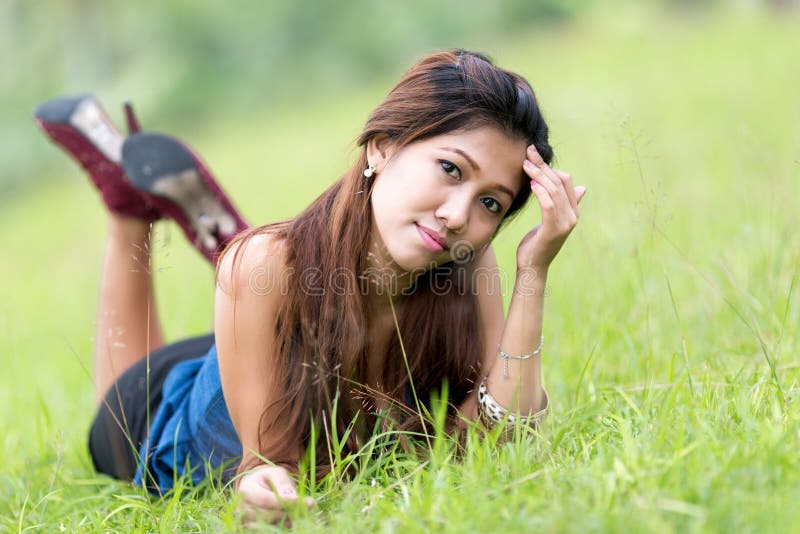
492,412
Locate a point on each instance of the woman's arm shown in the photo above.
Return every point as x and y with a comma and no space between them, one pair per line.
524,324
247,300
516,384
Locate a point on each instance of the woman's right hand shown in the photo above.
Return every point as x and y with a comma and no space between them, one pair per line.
266,493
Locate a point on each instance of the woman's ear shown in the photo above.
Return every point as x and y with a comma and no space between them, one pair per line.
380,149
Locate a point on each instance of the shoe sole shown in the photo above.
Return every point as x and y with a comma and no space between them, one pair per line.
83,113
164,168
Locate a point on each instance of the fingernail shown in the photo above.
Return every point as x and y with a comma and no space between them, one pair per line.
289,492
527,163
532,148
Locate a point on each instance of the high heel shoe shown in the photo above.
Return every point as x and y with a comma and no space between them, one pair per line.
83,130
181,187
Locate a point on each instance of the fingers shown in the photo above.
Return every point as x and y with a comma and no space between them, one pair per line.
541,173
257,494
558,185
557,214
569,189
278,480
270,488
580,191
542,193
558,199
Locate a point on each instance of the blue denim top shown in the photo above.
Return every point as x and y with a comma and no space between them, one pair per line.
191,430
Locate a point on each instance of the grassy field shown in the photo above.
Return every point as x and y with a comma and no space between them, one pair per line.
671,323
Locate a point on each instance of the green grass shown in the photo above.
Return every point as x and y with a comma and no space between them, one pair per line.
671,322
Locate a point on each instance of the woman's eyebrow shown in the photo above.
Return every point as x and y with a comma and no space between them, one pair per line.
502,189
462,154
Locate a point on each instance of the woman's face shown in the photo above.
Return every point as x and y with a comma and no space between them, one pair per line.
456,186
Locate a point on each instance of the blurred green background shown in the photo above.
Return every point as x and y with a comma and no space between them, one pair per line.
186,62
681,118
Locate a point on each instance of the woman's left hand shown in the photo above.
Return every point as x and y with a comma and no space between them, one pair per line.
558,199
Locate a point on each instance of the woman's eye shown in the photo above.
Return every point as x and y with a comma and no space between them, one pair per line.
450,168
492,205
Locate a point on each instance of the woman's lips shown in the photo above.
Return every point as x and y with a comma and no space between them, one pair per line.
431,239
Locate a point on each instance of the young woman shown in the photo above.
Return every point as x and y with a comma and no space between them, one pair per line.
354,311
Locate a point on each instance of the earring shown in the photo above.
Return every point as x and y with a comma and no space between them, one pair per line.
369,171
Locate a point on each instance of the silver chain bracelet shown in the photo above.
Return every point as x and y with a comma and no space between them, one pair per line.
507,356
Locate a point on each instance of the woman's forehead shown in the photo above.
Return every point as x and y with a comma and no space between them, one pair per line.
483,141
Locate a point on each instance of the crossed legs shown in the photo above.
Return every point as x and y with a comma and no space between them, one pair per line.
141,179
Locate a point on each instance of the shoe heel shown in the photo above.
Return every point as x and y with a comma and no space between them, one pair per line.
130,118
180,186
80,127
80,119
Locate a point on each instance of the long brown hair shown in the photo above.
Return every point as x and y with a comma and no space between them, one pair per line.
321,341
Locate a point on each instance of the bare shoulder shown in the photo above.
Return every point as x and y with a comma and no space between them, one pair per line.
248,298
255,262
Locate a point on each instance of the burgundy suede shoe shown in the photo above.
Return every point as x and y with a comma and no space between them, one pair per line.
83,130
181,188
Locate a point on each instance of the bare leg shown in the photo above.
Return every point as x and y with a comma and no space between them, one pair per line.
127,322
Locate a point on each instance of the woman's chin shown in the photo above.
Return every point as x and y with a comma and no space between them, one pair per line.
414,263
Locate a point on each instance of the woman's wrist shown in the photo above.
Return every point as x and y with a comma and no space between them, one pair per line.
530,281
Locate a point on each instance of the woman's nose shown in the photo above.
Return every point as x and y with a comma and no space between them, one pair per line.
454,211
